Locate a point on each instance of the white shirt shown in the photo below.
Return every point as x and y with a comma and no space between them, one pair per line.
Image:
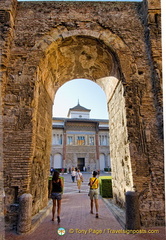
78,175
73,173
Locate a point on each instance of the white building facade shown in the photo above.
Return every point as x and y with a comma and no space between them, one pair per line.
81,142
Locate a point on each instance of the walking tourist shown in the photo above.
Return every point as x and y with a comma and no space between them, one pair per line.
79,179
73,174
93,192
51,170
56,195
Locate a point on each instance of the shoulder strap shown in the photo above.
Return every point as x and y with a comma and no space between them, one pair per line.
94,181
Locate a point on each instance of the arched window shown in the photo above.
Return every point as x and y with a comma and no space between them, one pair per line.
57,161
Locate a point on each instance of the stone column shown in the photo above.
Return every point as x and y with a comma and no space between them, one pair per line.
25,213
2,193
64,143
132,211
97,141
2,221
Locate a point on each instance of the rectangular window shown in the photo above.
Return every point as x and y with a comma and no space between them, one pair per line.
53,140
57,139
91,141
60,139
69,140
81,140
103,140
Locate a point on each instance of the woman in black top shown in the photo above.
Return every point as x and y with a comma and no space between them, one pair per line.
56,194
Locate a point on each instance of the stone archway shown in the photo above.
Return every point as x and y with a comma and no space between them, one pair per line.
86,57
98,47
79,57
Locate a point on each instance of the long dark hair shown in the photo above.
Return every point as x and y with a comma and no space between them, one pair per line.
55,176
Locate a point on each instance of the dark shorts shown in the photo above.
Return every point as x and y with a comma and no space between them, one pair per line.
57,196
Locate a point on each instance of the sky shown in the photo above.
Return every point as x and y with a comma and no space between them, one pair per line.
89,94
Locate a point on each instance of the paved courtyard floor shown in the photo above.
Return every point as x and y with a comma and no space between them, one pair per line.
78,224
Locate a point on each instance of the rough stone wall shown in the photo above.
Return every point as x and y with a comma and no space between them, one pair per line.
153,131
2,225
58,41
7,17
122,173
41,157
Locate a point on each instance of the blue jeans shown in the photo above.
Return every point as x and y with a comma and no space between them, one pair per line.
73,178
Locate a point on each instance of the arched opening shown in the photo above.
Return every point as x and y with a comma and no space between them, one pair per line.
102,163
57,161
108,161
84,57
89,131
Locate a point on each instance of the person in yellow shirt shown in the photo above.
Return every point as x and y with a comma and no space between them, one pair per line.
93,193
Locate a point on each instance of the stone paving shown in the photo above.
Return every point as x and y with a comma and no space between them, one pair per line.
78,223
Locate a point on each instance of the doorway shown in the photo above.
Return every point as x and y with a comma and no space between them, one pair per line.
57,161
102,162
80,163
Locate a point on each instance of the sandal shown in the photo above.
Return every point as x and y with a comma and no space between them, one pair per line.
97,216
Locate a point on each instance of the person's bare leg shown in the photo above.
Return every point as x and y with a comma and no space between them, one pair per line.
58,210
79,185
91,206
97,207
53,209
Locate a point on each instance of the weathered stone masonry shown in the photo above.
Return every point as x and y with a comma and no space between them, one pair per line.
117,45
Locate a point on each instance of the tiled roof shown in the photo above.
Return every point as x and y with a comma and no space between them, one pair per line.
78,107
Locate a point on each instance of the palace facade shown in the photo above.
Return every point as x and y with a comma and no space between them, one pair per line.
79,141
